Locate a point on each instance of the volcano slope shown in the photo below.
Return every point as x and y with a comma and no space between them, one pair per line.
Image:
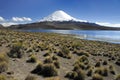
50,56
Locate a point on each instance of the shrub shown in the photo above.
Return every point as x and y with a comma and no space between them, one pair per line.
98,71
89,73
76,75
60,54
65,50
118,62
82,52
2,77
32,59
53,78
57,64
105,62
117,77
105,72
48,60
83,59
3,57
112,69
3,63
76,67
49,70
71,75
15,51
65,53
81,75
98,64
30,78
54,57
87,67
68,75
69,56
97,77
3,66
38,69
76,45
47,54
112,72
113,58
81,65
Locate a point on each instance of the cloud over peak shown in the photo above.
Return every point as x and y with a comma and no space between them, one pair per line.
21,19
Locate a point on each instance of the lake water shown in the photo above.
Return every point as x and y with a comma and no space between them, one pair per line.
107,36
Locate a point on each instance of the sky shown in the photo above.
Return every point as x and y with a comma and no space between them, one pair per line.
104,12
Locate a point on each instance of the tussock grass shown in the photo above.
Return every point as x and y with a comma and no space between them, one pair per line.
97,77
29,77
76,75
32,59
49,70
117,77
3,62
3,77
15,51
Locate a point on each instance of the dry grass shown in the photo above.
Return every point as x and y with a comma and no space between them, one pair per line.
30,78
3,63
97,77
2,77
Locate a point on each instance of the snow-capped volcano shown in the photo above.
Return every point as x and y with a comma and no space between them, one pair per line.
60,16
59,20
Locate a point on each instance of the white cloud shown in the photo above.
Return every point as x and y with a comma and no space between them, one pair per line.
2,19
27,19
21,19
108,24
6,24
14,21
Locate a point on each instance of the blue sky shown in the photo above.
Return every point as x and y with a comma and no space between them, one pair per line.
106,12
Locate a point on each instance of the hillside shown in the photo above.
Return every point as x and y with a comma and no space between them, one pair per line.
67,25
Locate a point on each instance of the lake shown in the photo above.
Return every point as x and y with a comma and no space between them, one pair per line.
107,36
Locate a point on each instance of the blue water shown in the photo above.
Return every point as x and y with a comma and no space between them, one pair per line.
107,36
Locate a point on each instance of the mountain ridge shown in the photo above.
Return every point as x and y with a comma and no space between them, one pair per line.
65,25
61,20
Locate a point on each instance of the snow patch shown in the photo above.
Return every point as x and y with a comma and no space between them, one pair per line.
60,16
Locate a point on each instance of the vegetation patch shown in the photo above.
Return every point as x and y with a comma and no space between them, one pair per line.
30,78
15,51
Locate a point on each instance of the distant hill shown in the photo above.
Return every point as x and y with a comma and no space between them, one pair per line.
67,25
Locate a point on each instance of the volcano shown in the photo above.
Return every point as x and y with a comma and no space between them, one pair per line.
60,20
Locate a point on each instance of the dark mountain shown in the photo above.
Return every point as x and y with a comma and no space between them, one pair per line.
65,25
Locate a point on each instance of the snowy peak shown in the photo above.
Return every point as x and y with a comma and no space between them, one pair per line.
60,16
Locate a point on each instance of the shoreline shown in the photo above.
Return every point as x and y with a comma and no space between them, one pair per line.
84,36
